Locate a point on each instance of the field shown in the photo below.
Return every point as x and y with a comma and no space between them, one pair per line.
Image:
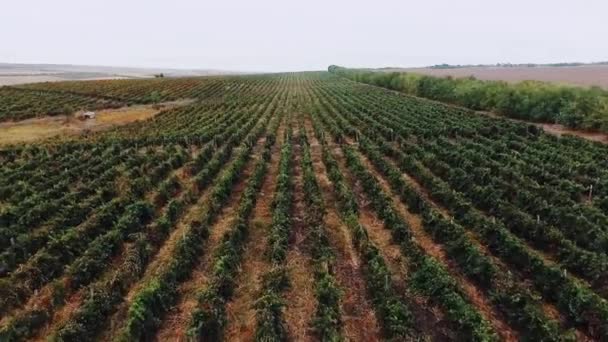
45,127
15,74
298,206
584,75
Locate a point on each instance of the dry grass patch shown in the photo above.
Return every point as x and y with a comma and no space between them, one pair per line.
61,125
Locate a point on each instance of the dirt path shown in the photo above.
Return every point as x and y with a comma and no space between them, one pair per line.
300,297
60,317
358,316
239,311
175,323
472,291
556,129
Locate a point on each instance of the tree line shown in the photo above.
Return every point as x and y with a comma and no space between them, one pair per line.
574,107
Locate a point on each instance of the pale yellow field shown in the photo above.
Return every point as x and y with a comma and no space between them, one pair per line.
124,115
31,132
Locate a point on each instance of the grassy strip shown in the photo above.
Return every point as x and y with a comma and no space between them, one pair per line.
327,322
269,307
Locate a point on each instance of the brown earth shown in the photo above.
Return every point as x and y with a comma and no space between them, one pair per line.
175,323
429,319
357,314
300,295
74,301
162,256
472,291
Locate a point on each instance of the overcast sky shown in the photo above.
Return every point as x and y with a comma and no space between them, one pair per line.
275,35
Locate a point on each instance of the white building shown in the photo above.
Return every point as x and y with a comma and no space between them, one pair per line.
88,115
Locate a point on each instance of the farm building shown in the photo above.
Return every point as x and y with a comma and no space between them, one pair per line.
88,115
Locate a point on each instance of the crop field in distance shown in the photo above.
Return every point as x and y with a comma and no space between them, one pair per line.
294,207
14,74
580,75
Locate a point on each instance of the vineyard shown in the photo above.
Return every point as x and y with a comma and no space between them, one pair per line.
548,102
300,207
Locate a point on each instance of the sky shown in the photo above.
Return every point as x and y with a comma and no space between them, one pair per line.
275,35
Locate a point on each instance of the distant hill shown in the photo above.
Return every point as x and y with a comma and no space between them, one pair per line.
11,74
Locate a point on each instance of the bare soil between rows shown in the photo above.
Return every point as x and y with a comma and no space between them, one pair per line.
240,311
